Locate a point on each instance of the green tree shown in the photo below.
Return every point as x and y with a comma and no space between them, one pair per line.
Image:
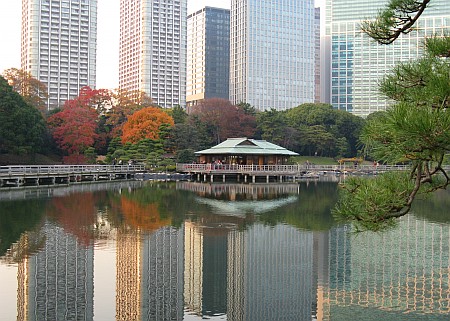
22,127
33,91
415,129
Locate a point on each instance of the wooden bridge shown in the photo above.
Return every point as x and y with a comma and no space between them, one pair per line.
279,173
15,176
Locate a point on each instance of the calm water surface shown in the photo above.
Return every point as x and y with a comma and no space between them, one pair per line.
190,251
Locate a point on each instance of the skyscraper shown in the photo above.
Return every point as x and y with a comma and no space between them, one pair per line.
358,63
59,43
272,53
152,49
208,56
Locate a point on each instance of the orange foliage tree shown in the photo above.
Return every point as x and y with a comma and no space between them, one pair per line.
145,123
124,104
145,217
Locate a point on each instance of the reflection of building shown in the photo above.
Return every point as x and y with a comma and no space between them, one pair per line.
206,258
129,276
162,279
260,274
152,56
278,269
58,281
358,63
405,270
150,275
59,46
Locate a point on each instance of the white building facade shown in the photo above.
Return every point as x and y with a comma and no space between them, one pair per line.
358,63
59,46
152,49
272,53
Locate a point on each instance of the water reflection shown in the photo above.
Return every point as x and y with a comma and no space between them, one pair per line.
220,251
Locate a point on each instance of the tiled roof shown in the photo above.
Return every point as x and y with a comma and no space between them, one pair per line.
239,146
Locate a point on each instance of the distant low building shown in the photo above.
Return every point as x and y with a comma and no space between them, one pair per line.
244,151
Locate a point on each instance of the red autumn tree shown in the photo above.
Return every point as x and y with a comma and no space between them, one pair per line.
74,128
224,120
145,123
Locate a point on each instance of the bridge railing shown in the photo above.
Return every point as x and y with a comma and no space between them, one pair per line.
67,169
211,168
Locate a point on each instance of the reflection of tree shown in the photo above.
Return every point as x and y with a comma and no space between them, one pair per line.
312,211
76,213
435,208
16,218
145,217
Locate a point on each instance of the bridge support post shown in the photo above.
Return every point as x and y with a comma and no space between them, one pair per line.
204,177
212,178
238,178
223,178
245,178
254,178
281,178
267,179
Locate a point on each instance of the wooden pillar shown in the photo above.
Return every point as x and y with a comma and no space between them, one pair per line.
253,178
267,179
212,178
238,178
198,177
281,178
204,177
223,178
245,178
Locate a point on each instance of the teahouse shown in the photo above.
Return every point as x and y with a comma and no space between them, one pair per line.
244,151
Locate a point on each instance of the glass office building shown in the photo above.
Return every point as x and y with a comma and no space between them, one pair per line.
152,49
208,55
59,45
272,53
358,63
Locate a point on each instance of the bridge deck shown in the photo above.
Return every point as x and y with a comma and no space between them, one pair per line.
55,174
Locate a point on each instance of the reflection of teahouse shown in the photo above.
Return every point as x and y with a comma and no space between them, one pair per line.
244,151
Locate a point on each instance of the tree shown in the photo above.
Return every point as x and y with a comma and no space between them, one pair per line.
415,130
22,127
178,114
124,104
33,91
74,129
145,123
224,120
324,130
397,18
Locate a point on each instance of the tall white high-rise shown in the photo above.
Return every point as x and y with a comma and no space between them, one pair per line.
59,44
272,50
152,49
358,63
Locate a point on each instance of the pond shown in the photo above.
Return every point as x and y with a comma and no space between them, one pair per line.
190,251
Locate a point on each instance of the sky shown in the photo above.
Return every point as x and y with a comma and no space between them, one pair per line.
107,36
